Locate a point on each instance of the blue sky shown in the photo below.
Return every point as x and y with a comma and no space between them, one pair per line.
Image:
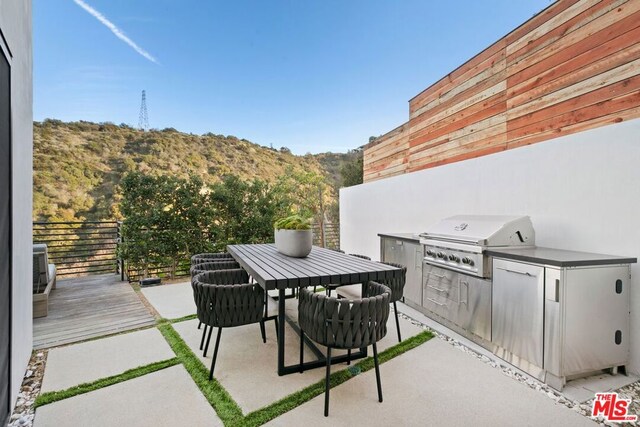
313,76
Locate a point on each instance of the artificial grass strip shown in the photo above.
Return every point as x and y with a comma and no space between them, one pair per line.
226,408
296,399
54,396
184,318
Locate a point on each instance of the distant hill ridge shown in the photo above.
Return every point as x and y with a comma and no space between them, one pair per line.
78,165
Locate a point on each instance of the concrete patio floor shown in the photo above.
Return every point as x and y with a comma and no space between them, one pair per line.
247,367
89,361
171,301
432,384
165,398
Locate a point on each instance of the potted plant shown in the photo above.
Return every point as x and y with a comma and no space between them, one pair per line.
293,236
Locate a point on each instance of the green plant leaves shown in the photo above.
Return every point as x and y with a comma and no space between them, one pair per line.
293,222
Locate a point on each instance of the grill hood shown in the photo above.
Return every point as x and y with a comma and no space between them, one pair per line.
483,230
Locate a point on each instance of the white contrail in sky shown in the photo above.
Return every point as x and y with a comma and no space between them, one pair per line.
115,30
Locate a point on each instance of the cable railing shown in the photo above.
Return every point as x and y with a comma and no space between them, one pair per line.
79,248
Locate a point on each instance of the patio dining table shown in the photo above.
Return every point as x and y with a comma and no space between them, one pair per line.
275,271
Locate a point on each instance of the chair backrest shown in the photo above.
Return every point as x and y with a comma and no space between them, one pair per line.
208,256
361,256
218,264
345,323
224,298
40,265
396,284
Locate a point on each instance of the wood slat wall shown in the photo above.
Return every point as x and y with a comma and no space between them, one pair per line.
572,67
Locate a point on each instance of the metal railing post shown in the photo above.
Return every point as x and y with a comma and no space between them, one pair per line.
119,241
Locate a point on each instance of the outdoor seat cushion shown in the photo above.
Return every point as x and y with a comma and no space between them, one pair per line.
350,291
52,272
272,307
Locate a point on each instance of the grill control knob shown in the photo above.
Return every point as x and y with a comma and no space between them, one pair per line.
441,254
467,260
454,258
430,253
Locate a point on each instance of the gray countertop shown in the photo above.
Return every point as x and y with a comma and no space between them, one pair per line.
558,257
402,236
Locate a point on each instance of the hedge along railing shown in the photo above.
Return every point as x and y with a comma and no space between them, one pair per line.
80,248
136,271
91,247
327,236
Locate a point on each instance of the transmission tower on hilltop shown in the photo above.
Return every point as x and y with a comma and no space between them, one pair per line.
143,120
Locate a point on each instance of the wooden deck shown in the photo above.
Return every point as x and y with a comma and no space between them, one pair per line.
88,307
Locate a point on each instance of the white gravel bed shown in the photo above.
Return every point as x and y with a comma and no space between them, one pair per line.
24,412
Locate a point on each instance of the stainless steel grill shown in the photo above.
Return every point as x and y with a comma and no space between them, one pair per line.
458,242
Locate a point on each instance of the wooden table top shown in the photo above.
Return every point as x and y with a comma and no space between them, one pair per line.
273,270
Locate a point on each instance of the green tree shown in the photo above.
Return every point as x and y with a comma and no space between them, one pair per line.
351,170
166,220
246,210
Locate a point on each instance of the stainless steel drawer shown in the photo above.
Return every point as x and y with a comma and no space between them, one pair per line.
463,300
440,282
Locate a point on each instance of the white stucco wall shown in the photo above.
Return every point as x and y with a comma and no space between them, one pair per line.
15,22
582,192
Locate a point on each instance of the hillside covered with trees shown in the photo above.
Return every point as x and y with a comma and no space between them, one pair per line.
78,166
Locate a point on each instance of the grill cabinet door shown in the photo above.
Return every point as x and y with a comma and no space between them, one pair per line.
412,259
596,318
517,322
393,251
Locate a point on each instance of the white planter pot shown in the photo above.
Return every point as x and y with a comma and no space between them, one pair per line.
294,243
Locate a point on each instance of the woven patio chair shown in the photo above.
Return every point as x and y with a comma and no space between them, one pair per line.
344,324
44,274
211,265
397,289
330,288
209,256
225,299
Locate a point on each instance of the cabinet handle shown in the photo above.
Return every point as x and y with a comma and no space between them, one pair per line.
438,289
463,296
436,302
524,273
437,275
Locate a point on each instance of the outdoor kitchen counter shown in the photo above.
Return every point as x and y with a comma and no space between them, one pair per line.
558,257
402,236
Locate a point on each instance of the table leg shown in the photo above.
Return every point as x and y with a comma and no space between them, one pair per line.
281,320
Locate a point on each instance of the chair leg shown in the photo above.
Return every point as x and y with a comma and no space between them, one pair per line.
262,332
204,334
349,357
326,383
395,310
215,354
199,324
301,350
206,346
375,362
275,321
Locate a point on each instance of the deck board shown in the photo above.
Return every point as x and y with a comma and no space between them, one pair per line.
89,307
